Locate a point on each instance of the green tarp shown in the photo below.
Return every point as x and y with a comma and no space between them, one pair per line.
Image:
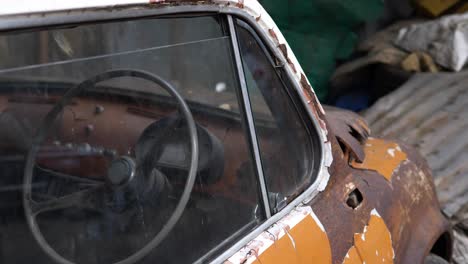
321,32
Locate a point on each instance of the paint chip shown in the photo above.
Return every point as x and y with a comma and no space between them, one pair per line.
374,212
382,156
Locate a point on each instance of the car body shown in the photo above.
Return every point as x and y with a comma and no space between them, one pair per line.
279,179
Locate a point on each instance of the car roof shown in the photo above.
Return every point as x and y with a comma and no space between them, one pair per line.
16,7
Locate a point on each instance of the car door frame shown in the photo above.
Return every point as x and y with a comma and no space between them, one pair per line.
309,193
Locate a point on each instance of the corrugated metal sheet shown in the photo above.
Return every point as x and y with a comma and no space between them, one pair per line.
430,112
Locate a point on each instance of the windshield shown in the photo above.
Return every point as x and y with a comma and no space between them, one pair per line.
93,173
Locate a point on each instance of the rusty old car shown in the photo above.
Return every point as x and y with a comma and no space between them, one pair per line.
168,131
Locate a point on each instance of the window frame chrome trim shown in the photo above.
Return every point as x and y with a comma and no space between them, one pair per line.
299,110
249,116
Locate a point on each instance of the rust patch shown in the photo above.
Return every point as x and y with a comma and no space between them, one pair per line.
350,129
292,65
283,50
240,4
311,100
373,245
273,35
305,85
347,130
381,156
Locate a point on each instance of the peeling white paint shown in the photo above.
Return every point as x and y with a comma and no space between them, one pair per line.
363,235
374,212
265,240
350,186
328,160
391,152
290,238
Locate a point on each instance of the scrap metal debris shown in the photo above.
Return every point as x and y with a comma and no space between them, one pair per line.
445,39
419,62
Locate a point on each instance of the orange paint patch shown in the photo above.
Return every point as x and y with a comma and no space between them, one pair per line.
304,243
381,156
298,238
373,245
352,257
311,242
282,251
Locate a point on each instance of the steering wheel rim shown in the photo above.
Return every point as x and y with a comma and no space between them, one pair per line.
44,130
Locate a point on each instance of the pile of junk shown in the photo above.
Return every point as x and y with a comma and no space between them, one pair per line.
403,65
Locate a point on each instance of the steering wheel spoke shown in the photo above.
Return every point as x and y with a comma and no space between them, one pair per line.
91,199
71,178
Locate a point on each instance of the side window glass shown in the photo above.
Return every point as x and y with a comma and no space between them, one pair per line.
107,164
285,141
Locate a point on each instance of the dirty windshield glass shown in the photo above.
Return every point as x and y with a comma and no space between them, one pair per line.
122,141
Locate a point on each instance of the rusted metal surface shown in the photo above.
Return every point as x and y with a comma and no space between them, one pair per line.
407,205
350,129
397,220
429,112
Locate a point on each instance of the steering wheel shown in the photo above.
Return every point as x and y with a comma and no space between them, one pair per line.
121,169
